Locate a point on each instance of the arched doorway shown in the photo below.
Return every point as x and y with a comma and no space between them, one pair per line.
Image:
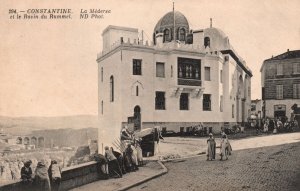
137,118
34,141
19,140
26,141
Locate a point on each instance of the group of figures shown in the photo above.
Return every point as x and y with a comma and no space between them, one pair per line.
115,164
225,147
280,124
44,178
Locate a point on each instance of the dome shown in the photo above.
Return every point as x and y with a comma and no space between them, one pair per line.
215,32
167,21
216,39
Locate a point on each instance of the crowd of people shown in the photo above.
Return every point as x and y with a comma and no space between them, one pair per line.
129,159
280,124
44,177
225,147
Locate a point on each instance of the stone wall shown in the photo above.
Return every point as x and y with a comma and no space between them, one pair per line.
71,177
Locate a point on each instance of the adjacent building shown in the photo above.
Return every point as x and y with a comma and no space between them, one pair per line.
281,84
183,78
256,107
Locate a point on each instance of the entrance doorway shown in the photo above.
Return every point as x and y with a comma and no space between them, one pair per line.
279,111
137,118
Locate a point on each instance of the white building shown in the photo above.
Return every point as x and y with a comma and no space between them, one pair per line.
198,78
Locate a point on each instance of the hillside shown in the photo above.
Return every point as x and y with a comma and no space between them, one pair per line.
25,125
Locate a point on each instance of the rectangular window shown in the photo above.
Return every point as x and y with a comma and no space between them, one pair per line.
279,69
296,91
221,103
279,91
253,107
101,74
184,101
206,102
137,67
249,91
160,101
207,73
160,69
296,68
232,110
221,76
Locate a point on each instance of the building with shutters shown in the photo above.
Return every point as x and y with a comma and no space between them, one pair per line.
182,78
281,84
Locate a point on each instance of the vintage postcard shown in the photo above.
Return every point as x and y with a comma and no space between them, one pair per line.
149,95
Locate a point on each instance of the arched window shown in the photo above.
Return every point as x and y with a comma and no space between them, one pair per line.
182,34
171,71
206,42
111,88
137,90
102,107
166,35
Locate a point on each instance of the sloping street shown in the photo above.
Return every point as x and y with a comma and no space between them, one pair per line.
257,167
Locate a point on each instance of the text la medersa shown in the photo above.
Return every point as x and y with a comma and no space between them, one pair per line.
95,11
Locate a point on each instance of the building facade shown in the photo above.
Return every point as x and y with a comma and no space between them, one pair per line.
183,78
281,84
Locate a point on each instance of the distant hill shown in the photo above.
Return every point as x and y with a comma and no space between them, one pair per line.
25,125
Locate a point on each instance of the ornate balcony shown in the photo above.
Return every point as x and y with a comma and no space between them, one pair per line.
189,82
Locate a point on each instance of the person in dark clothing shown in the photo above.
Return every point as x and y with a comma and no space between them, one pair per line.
54,173
113,164
26,175
41,179
271,125
120,159
102,164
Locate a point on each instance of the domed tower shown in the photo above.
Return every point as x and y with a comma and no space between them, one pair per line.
166,26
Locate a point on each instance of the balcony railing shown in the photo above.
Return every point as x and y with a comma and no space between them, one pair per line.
189,82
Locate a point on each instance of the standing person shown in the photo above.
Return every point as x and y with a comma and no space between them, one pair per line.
41,179
271,125
279,125
120,159
26,175
54,172
139,152
211,147
113,164
102,165
134,155
228,146
129,157
266,125
223,148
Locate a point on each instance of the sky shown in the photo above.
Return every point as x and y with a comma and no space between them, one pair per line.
48,67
